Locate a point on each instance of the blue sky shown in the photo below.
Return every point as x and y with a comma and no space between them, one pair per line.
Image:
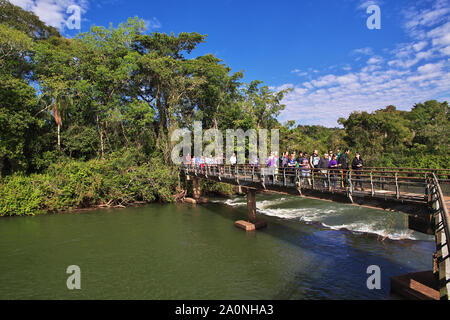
321,49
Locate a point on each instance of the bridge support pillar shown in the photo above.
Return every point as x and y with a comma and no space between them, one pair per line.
196,188
252,222
251,205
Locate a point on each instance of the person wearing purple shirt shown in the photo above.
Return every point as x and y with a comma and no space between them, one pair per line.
332,165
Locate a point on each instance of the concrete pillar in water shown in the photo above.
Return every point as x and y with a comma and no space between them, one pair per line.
251,205
196,187
252,223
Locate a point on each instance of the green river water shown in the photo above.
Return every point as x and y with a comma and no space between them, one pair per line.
310,250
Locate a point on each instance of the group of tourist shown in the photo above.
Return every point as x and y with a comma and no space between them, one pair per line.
203,161
330,166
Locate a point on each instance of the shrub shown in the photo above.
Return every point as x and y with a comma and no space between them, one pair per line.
122,179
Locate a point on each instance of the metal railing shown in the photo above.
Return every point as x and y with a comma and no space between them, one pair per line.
442,174
437,203
386,183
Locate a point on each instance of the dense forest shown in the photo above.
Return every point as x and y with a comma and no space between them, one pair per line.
87,121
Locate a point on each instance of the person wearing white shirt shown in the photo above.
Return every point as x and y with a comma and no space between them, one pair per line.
233,159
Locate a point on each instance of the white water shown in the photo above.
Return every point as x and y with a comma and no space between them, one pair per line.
333,216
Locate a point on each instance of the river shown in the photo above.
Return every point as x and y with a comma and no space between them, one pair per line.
311,249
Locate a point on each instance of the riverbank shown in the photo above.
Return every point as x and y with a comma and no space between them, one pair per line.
123,180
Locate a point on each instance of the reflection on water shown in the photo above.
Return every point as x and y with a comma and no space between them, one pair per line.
310,250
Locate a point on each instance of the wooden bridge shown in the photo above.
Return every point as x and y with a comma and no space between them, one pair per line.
417,192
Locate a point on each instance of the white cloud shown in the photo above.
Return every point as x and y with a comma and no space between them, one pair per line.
375,60
445,51
440,36
52,12
24,4
152,24
347,68
420,45
414,71
420,17
366,51
364,4
285,86
430,67
299,72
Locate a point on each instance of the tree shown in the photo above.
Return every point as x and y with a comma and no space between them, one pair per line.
18,106
166,80
25,21
385,131
430,124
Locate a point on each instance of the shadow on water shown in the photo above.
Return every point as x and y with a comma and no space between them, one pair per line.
336,261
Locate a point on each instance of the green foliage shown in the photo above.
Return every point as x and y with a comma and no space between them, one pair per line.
14,48
309,138
125,178
217,188
25,21
17,122
389,137
430,124
20,195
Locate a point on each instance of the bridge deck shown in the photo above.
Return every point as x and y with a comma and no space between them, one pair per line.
338,185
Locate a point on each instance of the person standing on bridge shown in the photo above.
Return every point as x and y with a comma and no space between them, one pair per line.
219,161
188,160
197,162
315,159
233,159
330,155
338,154
332,165
285,159
300,158
305,166
202,163
254,160
343,163
292,164
357,166
276,164
323,166
271,166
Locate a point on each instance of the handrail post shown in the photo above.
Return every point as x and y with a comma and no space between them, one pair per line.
371,183
300,178
350,181
329,180
397,190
